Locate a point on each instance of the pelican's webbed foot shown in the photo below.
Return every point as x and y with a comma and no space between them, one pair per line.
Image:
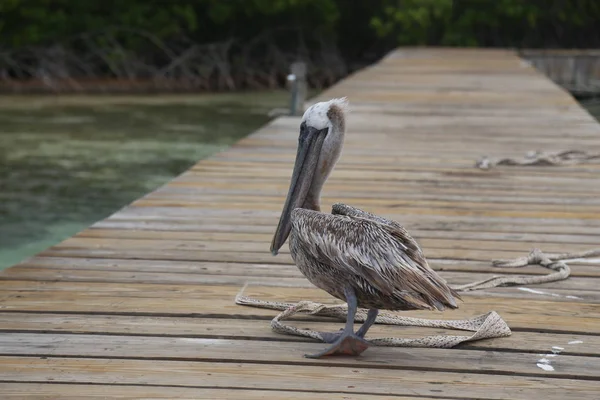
329,337
347,343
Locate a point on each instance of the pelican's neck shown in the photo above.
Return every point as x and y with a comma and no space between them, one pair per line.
330,153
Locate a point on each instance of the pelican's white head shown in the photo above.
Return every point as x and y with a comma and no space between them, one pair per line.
319,147
326,113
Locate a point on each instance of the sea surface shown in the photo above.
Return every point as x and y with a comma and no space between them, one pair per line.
67,162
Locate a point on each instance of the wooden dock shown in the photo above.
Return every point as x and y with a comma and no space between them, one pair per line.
141,305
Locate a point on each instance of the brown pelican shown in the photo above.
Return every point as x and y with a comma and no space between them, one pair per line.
353,255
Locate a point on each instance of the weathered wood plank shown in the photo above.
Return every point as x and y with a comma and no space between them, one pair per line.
584,290
14,391
351,380
249,329
543,292
247,256
345,172
208,191
207,300
406,217
168,241
272,269
442,227
427,239
458,210
240,351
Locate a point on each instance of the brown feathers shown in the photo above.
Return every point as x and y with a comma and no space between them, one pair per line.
376,256
336,116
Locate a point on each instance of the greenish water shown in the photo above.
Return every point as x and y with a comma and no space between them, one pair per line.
68,162
592,105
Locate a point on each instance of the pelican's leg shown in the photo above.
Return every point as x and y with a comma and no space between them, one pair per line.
347,341
371,316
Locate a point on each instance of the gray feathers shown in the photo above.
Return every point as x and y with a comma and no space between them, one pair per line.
376,256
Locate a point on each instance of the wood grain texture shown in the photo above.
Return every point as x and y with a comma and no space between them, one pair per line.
345,379
140,305
75,391
253,329
250,351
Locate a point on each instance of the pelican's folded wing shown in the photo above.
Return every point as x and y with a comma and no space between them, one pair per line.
412,247
386,257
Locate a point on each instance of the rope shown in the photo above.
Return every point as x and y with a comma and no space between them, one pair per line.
568,157
485,326
536,257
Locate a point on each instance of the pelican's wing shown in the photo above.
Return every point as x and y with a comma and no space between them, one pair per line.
344,209
387,258
412,247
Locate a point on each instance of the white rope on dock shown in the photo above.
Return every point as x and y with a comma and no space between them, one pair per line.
567,157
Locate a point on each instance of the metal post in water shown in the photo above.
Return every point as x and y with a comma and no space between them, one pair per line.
297,80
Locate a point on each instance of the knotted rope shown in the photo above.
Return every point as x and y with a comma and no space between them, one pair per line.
486,326
536,257
568,157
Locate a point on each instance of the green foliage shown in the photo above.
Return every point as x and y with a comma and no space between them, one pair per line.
361,30
42,22
518,23
223,11
36,22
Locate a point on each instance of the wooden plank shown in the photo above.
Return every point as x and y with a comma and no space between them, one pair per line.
290,353
426,239
486,179
545,292
206,300
207,190
248,257
267,157
410,219
226,294
582,290
272,269
442,227
458,210
169,241
580,281
249,329
350,380
346,171
14,391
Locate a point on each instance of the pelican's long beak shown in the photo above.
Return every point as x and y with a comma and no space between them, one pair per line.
310,143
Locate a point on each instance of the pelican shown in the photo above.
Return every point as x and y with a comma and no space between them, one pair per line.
360,258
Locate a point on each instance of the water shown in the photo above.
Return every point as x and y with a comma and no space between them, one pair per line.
68,162
592,105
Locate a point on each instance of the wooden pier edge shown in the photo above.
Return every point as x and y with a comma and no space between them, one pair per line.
141,304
